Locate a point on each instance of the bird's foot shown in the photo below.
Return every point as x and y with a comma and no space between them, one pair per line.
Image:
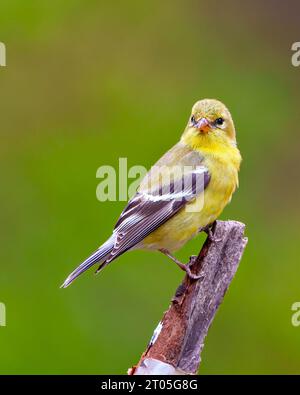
185,268
190,274
210,233
191,262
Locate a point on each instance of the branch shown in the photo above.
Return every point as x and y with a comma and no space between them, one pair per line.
178,340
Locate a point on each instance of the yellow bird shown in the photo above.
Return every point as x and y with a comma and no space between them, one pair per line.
182,194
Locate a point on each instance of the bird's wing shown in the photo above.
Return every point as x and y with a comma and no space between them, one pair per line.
157,201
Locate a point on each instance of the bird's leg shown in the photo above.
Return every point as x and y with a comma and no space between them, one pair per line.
209,231
185,268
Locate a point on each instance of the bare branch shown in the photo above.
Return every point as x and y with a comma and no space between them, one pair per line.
178,340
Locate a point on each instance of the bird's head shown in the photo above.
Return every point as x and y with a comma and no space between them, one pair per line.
210,122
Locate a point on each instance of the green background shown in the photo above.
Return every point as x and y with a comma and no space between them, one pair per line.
88,82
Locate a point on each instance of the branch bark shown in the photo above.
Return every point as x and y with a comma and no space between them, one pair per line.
178,340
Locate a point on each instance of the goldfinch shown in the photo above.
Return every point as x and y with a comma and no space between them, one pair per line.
166,212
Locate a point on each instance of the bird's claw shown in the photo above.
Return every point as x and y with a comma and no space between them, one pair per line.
184,267
193,276
210,234
190,263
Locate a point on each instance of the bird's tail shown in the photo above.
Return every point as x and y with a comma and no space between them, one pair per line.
100,255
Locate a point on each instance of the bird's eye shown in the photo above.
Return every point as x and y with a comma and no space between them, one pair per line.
193,120
219,121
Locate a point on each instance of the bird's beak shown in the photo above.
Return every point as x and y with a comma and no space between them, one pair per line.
203,125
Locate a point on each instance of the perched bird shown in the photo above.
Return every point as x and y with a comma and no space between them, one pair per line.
182,194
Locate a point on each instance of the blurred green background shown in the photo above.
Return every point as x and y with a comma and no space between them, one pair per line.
88,82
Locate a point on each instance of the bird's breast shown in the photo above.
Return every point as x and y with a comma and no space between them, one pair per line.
201,212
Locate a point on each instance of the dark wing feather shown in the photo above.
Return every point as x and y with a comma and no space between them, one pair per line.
145,212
